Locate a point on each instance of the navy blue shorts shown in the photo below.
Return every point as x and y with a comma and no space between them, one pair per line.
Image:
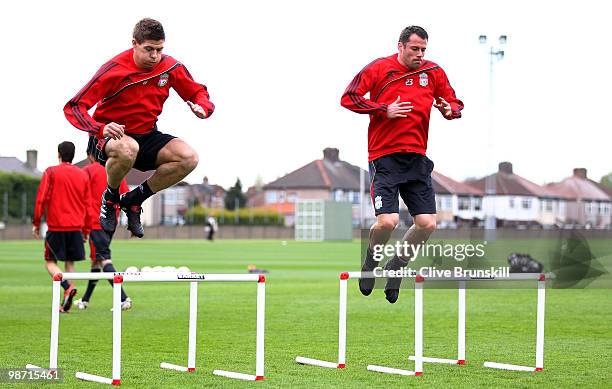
406,174
64,246
149,146
99,245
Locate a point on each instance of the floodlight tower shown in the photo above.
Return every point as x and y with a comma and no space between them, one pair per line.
496,54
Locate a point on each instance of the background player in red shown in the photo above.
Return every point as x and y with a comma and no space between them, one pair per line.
130,91
402,87
63,196
99,240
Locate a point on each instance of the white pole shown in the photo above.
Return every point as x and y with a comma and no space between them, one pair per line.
193,321
55,313
117,283
261,314
540,323
342,321
461,326
418,325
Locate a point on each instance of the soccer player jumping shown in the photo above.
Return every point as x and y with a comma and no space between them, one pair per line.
130,91
402,87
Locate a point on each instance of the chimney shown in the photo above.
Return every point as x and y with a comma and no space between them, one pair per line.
331,154
580,172
31,159
505,167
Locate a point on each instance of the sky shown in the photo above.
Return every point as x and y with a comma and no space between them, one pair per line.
276,70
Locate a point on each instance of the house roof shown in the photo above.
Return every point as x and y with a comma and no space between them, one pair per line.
328,173
508,183
14,165
446,185
579,187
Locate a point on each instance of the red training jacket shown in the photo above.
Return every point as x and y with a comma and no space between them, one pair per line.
64,195
385,79
97,185
131,96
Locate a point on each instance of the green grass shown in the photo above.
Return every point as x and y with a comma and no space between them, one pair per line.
301,319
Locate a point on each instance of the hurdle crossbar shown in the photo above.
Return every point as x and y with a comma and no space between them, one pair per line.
194,278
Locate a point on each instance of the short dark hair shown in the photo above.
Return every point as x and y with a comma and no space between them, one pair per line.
66,151
148,29
406,32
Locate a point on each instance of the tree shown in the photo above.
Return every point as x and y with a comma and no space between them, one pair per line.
235,195
606,180
14,190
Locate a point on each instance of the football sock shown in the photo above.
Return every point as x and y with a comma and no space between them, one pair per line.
113,192
91,285
139,194
109,268
65,284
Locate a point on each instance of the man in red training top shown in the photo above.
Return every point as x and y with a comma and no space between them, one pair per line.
63,196
130,91
402,87
99,240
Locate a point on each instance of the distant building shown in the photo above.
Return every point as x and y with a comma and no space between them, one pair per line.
209,195
518,201
588,202
14,165
322,179
457,203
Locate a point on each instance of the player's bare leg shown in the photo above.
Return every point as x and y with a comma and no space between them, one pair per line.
69,289
121,155
380,232
174,162
424,225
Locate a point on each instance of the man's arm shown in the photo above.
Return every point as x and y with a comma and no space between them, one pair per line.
42,200
445,99
361,84
196,95
76,110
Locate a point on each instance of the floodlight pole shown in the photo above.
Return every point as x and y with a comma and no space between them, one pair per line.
496,54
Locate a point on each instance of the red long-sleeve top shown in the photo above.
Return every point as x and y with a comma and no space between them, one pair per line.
96,175
385,79
63,194
131,96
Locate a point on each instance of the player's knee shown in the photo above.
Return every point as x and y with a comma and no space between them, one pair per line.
126,149
190,160
388,222
427,224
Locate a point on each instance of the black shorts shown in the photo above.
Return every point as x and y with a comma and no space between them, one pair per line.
149,146
408,174
64,246
99,245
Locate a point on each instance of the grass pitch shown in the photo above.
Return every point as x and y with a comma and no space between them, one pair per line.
301,319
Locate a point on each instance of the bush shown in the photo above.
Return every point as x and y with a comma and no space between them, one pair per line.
244,216
16,185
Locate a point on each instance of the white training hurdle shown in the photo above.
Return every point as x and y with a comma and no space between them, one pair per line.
418,357
418,331
193,278
461,305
